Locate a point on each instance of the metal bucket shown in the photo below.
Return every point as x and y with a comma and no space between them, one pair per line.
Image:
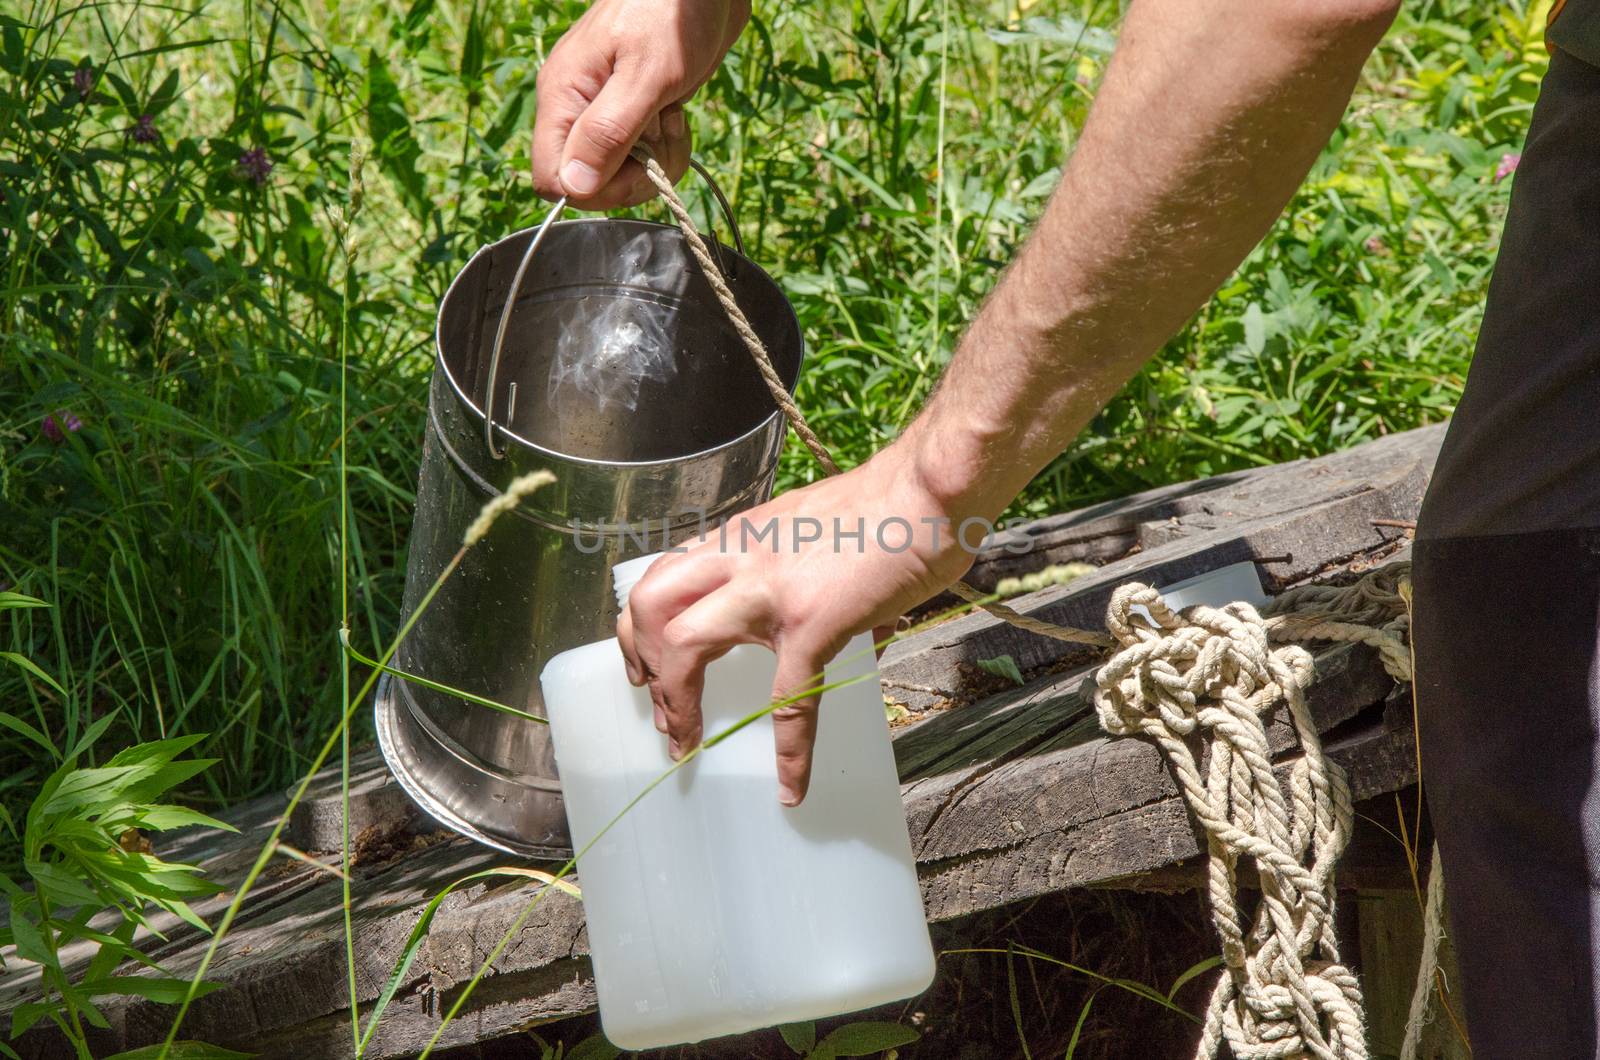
620,374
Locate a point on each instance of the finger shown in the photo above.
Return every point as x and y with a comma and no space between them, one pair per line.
630,657
599,140
631,186
697,636
673,150
794,725
673,583
558,102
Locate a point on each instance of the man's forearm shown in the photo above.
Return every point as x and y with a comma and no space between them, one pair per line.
1210,115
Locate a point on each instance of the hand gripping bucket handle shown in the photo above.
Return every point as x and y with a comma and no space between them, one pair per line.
641,154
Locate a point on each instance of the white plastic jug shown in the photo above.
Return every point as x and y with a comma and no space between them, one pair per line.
712,909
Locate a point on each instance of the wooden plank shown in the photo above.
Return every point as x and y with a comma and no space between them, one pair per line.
1389,940
1295,521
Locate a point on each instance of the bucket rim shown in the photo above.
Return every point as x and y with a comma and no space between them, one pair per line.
508,435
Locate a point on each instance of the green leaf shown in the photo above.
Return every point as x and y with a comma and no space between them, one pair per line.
1200,968
163,818
165,991
1016,1002
17,725
91,734
1083,1017
1002,666
472,50
419,931
864,1039
182,1051
28,664
801,1037
27,1014
10,599
1255,329
516,112
594,1047
60,886
29,938
398,152
155,751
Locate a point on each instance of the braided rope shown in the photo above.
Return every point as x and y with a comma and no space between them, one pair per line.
1215,673
1284,993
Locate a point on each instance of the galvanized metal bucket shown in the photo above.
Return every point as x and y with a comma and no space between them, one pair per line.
621,375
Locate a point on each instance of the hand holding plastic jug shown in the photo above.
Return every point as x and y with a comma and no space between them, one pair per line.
712,909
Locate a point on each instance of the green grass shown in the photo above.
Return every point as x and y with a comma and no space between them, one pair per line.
885,160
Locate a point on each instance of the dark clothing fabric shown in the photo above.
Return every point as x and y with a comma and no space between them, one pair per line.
1523,451
1505,636
1507,602
1575,29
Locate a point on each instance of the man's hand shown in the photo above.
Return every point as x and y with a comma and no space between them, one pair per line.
621,74
804,604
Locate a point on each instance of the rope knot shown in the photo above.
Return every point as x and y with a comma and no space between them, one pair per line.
1203,680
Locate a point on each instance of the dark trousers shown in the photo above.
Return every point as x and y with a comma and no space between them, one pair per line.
1507,609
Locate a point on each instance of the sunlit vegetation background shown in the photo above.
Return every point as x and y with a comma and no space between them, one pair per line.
174,283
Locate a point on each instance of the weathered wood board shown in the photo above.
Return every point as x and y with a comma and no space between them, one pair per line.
1008,796
1295,520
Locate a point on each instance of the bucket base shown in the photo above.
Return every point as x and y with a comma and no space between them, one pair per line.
486,806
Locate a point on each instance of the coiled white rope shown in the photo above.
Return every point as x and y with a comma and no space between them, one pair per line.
1201,683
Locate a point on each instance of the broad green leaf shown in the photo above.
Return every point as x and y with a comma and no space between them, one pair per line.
1255,329
29,938
864,1039
472,50
516,113
165,991
163,818
155,751
27,1014
59,885
95,730
394,143
801,1037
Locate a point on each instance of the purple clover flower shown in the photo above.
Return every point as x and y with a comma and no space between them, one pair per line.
1508,165
83,81
254,165
60,423
144,131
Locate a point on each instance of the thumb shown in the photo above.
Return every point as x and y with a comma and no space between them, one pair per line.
599,141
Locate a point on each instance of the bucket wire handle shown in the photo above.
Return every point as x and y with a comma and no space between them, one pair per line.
640,153
500,334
